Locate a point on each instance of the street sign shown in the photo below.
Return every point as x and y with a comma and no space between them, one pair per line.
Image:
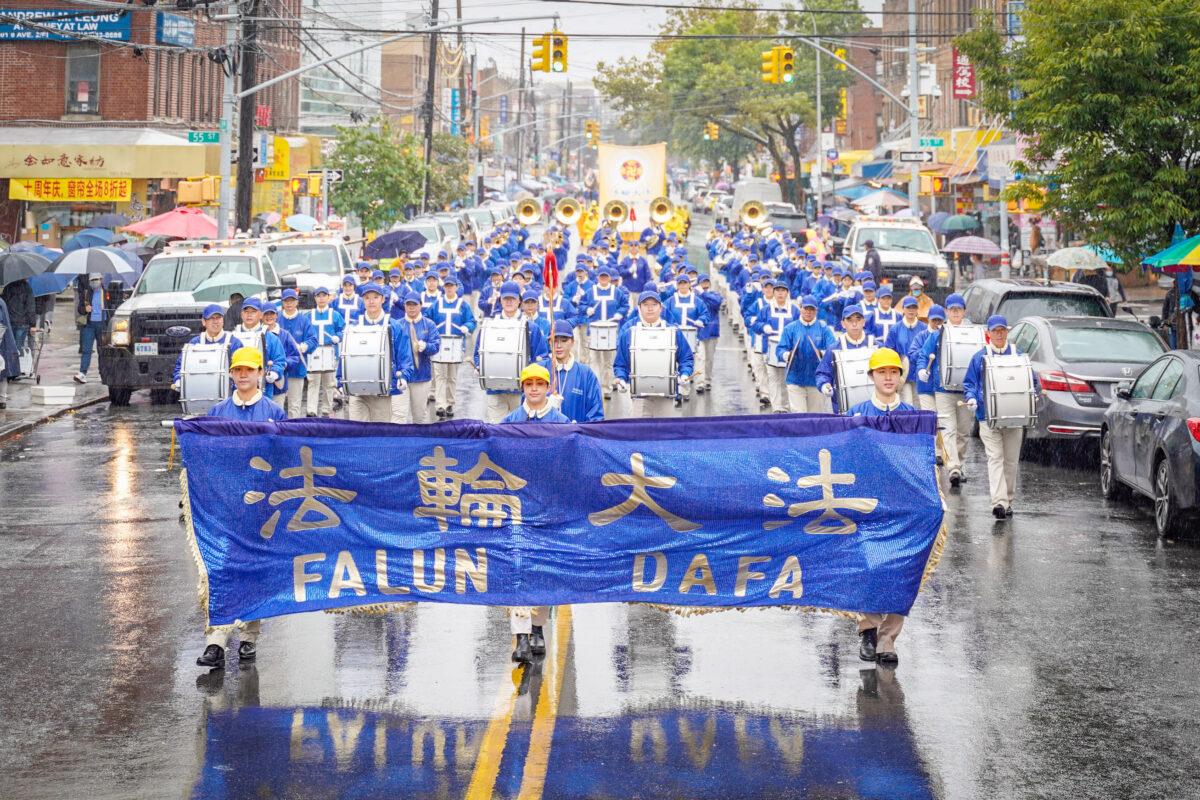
503,109
916,157
831,155
333,175
932,141
204,137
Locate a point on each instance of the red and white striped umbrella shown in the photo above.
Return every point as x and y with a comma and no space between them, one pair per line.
973,245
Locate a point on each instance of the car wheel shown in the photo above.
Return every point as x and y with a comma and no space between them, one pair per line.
119,396
1110,486
1166,512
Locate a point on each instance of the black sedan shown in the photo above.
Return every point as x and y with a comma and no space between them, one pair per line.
1150,440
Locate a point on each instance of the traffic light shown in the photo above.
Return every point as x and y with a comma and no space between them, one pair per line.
712,131
558,52
770,65
787,64
300,186
591,131
840,53
540,61
939,185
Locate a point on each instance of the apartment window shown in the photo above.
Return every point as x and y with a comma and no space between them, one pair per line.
83,79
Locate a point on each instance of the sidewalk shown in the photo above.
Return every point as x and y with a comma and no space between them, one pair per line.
60,361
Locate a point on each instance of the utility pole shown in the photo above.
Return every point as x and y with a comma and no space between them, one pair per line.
226,128
820,133
431,76
567,122
914,89
462,73
245,164
475,130
521,111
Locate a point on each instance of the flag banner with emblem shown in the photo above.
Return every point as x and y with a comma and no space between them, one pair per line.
838,513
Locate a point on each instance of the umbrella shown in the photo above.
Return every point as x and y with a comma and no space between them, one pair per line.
218,288
270,217
89,237
48,283
959,222
19,266
184,222
1107,254
882,198
92,259
1076,258
141,252
908,212
936,219
974,245
301,222
48,253
722,186
109,221
393,243
1178,257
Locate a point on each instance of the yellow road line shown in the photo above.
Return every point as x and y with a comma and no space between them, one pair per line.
487,763
537,761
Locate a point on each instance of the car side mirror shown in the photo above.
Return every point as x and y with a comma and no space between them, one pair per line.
1123,390
287,281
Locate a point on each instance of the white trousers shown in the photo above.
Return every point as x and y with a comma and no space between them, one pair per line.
294,405
320,392
445,384
652,407
808,400
392,408
758,365
709,347
1003,448
698,362
926,402
417,410
581,350
219,634
908,393
955,420
521,619
602,364
500,406
777,388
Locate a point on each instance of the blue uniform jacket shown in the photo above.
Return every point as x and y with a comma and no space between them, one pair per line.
916,352
713,302
427,332
602,305
261,411
402,360
348,308
635,274
536,348
327,326
580,390
867,408
973,383
692,312
809,341
770,320
275,359
901,338
552,416
301,329
621,362
294,359
881,322
226,337
453,318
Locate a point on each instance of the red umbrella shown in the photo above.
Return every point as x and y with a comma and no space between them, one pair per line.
189,223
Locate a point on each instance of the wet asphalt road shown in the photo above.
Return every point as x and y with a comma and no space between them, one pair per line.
1049,657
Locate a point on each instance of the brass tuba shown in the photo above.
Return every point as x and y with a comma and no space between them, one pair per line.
568,211
616,211
661,210
753,213
529,211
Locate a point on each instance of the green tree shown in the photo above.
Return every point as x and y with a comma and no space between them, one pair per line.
448,179
1107,99
382,173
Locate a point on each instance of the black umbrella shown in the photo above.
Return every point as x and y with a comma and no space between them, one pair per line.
110,221
21,266
393,243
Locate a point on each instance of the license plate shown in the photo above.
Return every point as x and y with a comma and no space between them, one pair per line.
145,348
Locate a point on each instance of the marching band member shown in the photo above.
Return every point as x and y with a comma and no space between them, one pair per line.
604,302
301,329
685,309
348,303
392,407
650,316
362,273
1002,445
529,307
900,339
954,416
429,296
927,385
773,316
213,333
710,334
453,316
802,346
576,289
635,271
246,404
275,358
576,390
880,322
852,339
425,340
489,295
502,402
328,325
293,355
878,632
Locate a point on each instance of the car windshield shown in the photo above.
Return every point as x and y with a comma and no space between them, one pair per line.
1031,304
184,274
449,229
481,217
913,240
1106,344
428,231
306,258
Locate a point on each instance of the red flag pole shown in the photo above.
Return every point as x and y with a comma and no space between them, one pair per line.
550,278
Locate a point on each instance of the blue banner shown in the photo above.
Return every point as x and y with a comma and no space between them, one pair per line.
175,29
804,510
64,25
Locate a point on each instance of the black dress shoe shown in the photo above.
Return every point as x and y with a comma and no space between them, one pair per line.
214,656
246,651
998,511
866,644
449,412
889,659
955,479
1008,512
537,641
522,653
441,412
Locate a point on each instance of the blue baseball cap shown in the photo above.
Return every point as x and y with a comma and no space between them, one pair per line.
996,321
377,275
321,290
289,294
937,312
349,279
604,271
808,301
562,328
510,289
868,286
213,310
908,302
885,291
372,287
530,294
252,302
649,295
683,277
851,310
269,308
956,300
362,265
701,277
395,272
450,279
412,297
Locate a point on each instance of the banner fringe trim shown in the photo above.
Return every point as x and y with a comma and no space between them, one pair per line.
190,532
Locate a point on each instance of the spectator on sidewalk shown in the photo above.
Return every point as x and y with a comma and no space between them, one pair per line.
91,309
10,366
19,298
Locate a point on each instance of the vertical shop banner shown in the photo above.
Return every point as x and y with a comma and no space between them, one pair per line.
633,175
963,76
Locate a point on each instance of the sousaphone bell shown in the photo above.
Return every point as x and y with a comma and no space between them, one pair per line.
568,211
661,210
753,213
616,211
529,211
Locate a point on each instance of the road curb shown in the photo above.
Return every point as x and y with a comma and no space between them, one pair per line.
24,427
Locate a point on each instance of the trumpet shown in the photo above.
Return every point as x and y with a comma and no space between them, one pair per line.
616,211
529,211
753,214
661,210
568,211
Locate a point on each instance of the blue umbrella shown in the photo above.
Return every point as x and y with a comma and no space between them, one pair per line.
301,222
936,219
89,237
393,243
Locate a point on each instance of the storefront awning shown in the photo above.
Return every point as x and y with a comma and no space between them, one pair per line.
32,152
874,170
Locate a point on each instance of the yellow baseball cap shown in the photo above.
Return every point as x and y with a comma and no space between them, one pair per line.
246,357
535,371
884,357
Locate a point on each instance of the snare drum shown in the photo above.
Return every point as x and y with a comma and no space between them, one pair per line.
652,362
452,351
323,359
958,345
772,359
203,377
854,385
367,361
502,354
1008,383
602,336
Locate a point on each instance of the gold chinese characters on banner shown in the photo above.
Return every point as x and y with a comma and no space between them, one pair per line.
100,190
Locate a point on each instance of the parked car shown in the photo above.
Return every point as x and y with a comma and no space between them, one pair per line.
1018,298
437,236
1079,361
785,215
1150,440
